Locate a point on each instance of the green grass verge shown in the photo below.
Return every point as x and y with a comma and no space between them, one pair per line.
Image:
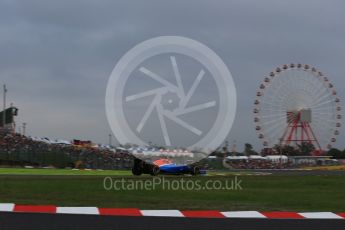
63,172
270,192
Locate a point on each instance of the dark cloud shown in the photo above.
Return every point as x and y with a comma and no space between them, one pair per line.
56,56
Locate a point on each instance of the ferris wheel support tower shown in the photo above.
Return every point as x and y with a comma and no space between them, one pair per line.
298,129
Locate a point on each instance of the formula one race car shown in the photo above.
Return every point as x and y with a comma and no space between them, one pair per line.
163,166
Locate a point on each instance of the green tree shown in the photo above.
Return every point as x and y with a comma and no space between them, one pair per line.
306,148
248,149
336,153
286,150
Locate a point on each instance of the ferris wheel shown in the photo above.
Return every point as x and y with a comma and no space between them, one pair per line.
294,104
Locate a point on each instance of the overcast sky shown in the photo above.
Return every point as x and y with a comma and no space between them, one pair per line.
56,56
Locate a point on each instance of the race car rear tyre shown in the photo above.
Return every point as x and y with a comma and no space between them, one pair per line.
155,170
137,171
195,171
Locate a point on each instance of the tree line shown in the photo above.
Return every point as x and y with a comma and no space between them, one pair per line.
303,149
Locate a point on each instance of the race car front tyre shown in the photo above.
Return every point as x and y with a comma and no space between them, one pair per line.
155,170
195,170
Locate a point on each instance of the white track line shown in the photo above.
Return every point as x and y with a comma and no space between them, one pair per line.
77,210
6,207
320,215
243,214
166,213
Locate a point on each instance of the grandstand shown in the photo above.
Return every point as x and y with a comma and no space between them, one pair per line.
16,149
19,150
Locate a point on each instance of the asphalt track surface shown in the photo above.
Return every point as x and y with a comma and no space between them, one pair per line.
39,221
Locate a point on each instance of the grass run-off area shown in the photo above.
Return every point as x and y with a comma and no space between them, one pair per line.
259,192
63,172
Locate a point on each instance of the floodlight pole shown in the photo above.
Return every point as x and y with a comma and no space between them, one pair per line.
24,128
110,137
4,112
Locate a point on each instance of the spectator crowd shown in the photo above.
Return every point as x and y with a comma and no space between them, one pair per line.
16,149
258,164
